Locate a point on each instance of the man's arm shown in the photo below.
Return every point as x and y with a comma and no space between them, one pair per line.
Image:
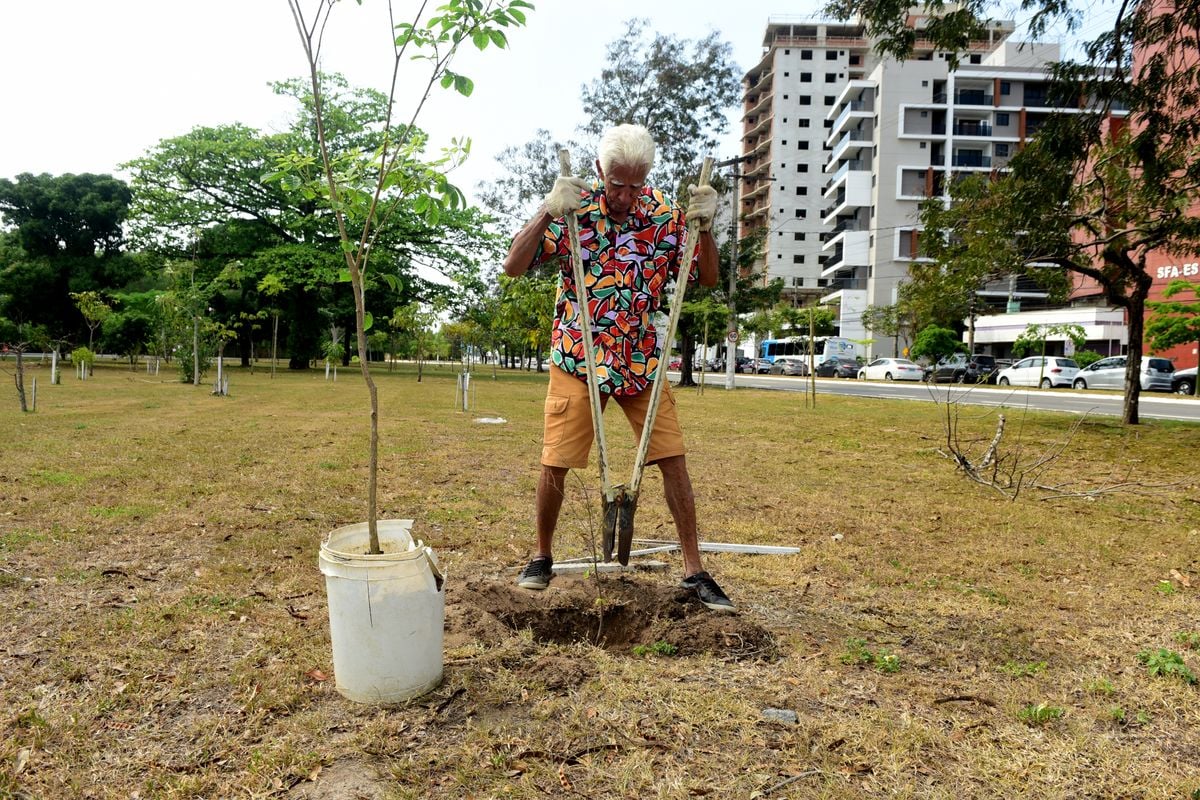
709,271
526,244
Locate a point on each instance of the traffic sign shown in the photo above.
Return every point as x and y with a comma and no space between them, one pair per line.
732,336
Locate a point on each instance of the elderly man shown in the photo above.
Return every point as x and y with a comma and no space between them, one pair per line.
632,238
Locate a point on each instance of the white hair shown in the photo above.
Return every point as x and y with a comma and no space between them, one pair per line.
627,145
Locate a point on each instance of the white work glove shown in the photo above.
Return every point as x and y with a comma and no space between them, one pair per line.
703,206
567,195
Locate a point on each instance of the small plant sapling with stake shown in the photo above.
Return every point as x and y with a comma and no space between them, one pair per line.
364,190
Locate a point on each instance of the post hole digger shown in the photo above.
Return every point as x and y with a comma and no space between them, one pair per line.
619,501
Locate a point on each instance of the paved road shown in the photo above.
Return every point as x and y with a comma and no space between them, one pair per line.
1152,405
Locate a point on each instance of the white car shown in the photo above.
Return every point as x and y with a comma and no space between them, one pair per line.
891,369
1043,371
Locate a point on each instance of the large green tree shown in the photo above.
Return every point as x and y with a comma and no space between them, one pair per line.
73,215
66,237
679,89
217,194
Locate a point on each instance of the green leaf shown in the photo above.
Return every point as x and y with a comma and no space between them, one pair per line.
394,283
448,79
498,38
368,320
344,276
464,85
517,15
480,38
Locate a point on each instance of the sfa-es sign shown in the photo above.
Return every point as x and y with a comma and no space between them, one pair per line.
1178,271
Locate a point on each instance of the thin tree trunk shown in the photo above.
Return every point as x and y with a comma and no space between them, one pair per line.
19,377
274,343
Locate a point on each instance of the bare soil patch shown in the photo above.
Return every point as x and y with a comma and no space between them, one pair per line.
616,614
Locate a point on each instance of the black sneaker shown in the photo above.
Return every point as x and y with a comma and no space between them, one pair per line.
537,573
708,591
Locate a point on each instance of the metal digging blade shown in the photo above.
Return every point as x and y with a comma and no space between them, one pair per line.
618,524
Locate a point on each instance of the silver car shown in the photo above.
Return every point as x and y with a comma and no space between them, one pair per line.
789,365
1109,373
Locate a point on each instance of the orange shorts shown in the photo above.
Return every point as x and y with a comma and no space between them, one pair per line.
568,431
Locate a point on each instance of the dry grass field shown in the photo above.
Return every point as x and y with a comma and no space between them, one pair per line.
164,629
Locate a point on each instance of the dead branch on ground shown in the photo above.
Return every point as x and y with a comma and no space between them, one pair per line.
1009,473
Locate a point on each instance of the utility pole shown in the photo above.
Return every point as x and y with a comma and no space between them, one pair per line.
731,333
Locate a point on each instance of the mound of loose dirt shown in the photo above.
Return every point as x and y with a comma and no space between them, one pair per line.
619,614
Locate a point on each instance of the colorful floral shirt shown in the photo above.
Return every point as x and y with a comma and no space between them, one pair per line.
628,268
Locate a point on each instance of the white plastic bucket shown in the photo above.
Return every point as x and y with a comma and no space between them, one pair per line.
386,613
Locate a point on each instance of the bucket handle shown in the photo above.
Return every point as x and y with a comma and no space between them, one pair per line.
431,559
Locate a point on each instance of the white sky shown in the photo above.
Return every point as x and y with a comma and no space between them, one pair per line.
88,84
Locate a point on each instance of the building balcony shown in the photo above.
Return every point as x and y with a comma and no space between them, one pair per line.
852,293
855,90
853,194
971,128
850,249
761,128
758,105
847,167
852,140
852,111
973,97
964,160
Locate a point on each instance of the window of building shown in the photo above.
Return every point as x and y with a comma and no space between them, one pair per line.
801,213
976,58
787,74
924,114
805,77
802,145
805,100
924,83
802,168
787,52
806,55
828,123
830,77
1002,149
797,281
798,259
785,97
829,99
798,237
779,256
831,55
803,123
1005,87
1002,118
802,190
922,145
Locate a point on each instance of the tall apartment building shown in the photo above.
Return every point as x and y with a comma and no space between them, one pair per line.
840,202
788,97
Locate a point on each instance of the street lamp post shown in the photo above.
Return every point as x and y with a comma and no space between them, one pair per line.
731,334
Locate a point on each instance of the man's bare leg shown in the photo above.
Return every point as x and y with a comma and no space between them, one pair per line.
677,486
550,492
